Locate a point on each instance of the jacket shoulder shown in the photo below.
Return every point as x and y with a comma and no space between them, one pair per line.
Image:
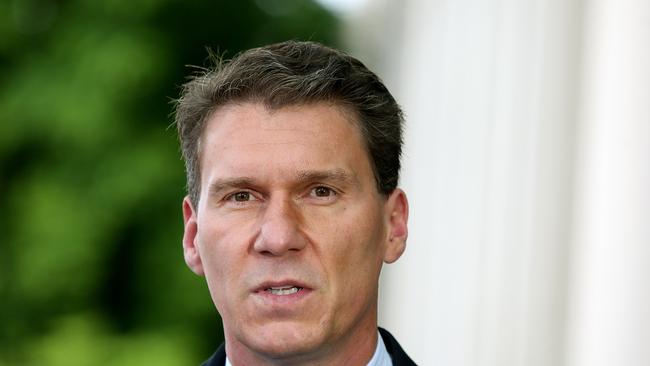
397,354
218,358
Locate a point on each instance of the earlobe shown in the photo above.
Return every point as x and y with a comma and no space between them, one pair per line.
190,249
397,212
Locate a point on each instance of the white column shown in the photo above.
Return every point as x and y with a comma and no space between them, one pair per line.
488,88
610,309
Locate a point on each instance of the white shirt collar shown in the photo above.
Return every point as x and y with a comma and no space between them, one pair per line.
380,358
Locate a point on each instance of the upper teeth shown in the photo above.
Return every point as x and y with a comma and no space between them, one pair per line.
283,290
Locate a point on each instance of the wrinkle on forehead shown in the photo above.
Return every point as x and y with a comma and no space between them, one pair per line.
266,120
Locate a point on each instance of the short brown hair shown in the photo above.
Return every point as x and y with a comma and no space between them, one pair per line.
291,73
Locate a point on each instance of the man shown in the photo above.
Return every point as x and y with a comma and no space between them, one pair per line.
293,154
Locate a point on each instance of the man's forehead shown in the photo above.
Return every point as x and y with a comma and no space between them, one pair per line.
264,125
297,138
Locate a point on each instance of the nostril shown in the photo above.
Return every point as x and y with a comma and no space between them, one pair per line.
267,253
278,238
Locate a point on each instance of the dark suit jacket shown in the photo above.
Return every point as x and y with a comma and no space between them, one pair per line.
397,354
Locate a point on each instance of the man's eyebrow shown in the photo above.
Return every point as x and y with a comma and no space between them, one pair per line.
340,176
225,183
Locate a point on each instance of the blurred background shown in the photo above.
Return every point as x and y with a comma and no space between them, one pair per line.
526,165
91,266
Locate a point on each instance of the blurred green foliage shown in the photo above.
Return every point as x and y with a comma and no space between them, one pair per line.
91,268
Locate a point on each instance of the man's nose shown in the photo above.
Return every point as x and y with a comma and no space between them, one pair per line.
280,231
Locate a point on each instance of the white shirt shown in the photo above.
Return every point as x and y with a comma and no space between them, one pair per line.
379,358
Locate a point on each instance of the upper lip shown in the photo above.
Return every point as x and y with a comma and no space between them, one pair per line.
280,283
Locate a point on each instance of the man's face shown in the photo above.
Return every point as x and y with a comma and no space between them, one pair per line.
290,231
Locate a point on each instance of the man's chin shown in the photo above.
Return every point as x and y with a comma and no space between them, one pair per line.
285,340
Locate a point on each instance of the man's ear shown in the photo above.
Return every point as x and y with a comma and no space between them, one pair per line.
396,215
190,249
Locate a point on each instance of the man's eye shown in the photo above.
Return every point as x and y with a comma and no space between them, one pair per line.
321,191
241,197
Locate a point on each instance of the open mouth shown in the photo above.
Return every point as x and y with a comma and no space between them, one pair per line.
284,290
